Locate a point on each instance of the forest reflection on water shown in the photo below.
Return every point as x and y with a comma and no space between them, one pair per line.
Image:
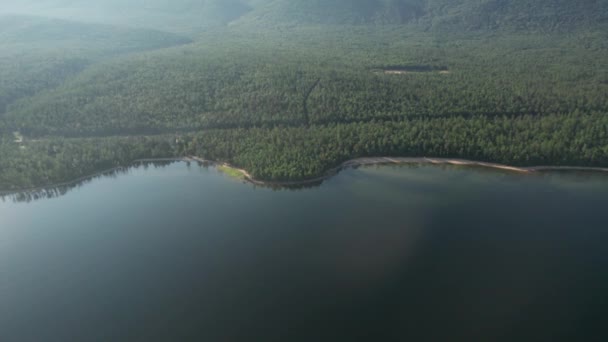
54,191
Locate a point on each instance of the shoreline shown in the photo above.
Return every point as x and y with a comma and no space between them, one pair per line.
368,161
353,163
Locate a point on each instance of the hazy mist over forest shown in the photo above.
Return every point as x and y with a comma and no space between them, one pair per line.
195,15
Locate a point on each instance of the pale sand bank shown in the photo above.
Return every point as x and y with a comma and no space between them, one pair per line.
405,160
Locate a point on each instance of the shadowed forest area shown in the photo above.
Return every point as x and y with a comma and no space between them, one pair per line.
288,89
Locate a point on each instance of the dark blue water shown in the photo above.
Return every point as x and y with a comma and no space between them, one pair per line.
183,253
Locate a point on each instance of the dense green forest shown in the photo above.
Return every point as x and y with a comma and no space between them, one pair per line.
38,53
288,89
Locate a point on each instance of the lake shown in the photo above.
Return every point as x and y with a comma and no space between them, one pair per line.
392,253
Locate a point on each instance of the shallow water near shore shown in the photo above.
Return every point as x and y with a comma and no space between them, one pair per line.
385,253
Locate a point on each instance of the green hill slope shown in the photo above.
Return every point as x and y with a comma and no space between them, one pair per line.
336,12
230,82
439,14
38,53
548,15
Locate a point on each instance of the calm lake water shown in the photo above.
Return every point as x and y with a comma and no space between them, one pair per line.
394,253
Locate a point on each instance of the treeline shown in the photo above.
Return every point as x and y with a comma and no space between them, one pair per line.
284,154
58,160
296,153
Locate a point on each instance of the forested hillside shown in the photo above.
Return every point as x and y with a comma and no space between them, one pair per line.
236,86
439,14
289,88
39,53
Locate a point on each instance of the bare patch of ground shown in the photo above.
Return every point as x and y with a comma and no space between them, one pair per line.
18,137
408,72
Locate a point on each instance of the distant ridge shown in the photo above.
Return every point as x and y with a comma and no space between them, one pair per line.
438,14
428,14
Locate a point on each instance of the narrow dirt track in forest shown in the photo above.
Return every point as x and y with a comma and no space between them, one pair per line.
305,103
